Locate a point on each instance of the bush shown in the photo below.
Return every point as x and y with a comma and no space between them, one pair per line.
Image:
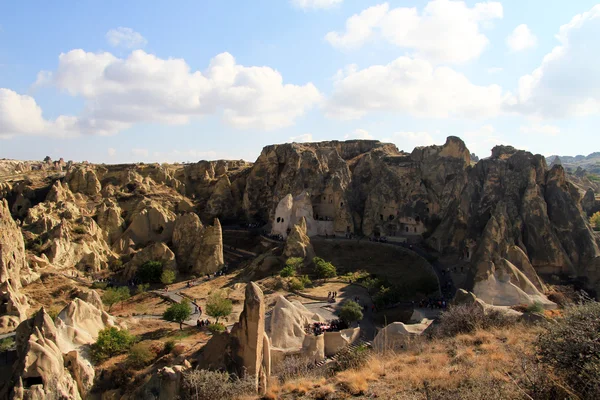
595,221
150,272
572,346
99,285
294,262
167,277
113,296
293,368
115,265
202,384
7,343
287,271
140,355
324,269
351,358
216,328
217,305
110,342
169,346
536,307
142,288
296,284
467,318
305,280
350,312
178,312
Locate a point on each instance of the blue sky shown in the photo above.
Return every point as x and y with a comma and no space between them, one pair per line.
245,74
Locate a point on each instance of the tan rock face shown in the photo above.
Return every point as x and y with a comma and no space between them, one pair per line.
198,248
154,252
151,222
83,180
298,242
12,265
110,220
248,336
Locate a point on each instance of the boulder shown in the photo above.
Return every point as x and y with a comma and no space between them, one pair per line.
397,335
83,180
150,222
198,249
287,323
298,243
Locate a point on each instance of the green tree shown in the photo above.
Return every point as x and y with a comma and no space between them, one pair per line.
140,355
324,269
110,342
217,305
142,288
178,312
350,312
287,271
296,284
167,277
113,296
295,262
150,271
595,221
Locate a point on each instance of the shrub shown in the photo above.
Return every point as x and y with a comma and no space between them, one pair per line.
110,342
287,271
169,346
142,288
140,355
305,280
7,343
202,384
296,284
350,312
217,305
572,346
293,368
294,262
178,312
595,221
150,272
99,285
324,269
466,318
167,277
216,328
115,265
351,358
536,307
113,296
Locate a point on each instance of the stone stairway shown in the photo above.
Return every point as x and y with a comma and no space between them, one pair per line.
360,342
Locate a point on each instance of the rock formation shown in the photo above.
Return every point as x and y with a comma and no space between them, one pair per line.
155,252
150,222
12,265
246,350
397,335
84,180
298,242
199,249
110,220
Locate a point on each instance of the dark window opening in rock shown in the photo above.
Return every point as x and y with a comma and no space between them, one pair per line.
305,185
427,209
468,254
348,228
391,217
32,380
160,230
282,220
19,208
407,229
278,219
415,229
418,219
381,217
342,204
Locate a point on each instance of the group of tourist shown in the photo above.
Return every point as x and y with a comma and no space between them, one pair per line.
201,323
331,295
318,328
440,304
381,239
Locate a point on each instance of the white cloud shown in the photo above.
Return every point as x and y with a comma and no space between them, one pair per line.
483,140
125,37
567,83
547,130
412,87
495,70
307,137
445,31
521,38
143,88
359,134
140,152
112,152
316,4
407,141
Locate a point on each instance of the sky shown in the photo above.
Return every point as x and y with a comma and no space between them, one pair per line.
181,81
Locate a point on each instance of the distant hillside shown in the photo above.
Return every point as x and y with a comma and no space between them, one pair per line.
590,163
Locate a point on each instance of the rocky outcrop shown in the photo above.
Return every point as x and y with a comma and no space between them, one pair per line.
287,323
83,180
298,242
397,335
155,252
150,222
199,249
246,350
12,265
110,220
